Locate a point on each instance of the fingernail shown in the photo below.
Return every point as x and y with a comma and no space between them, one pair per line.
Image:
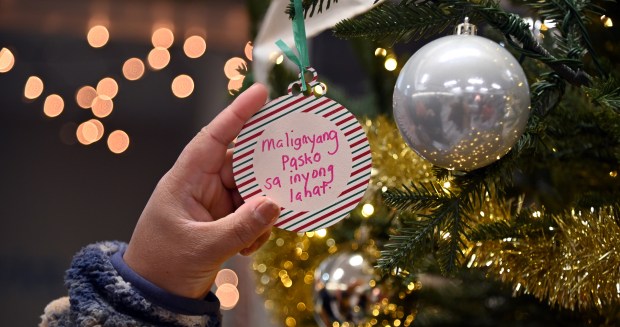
267,212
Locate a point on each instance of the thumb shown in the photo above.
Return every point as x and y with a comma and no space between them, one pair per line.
241,228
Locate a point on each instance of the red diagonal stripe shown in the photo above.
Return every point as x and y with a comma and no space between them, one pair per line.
245,197
246,182
360,155
243,155
280,223
249,138
353,130
326,215
358,142
273,112
317,105
333,111
361,169
244,169
344,121
353,187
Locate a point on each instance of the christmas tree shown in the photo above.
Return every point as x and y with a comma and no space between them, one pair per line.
530,238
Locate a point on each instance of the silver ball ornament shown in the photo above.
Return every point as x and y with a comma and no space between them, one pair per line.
461,102
342,292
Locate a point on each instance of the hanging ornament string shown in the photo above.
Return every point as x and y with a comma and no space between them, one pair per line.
299,34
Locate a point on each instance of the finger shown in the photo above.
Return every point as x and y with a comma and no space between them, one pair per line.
207,150
237,199
242,228
226,173
257,244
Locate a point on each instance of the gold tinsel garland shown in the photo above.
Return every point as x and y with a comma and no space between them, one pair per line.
576,266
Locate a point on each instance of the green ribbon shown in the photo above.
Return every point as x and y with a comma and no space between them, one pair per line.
299,34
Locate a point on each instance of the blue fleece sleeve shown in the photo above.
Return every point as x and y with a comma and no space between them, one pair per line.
104,291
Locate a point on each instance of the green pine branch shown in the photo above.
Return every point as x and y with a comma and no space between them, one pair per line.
310,6
391,23
605,92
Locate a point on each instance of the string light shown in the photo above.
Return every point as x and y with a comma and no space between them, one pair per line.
380,52
33,88
194,46
98,36
85,96
53,105
182,86
367,210
162,37
118,141
133,69
7,60
158,58
100,129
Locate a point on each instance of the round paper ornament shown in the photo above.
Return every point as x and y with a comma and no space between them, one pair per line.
306,152
342,292
461,101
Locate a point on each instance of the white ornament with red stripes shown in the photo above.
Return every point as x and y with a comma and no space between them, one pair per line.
306,152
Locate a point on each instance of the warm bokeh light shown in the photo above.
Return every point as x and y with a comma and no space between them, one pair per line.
158,58
226,276
98,36
53,105
321,232
87,132
118,141
7,60
182,86
248,50
162,37
235,84
108,87
380,52
85,96
194,46
100,129
102,106
607,22
390,64
233,66
133,69
367,210
33,88
228,296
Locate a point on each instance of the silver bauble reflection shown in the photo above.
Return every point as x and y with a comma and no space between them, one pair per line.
342,291
461,102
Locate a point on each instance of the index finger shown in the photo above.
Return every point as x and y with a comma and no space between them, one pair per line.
208,149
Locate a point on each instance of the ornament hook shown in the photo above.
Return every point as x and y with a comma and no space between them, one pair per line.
465,28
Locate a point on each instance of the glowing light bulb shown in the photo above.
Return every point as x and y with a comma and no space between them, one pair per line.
367,210
390,64
380,52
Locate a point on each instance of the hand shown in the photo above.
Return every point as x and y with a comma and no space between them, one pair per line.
188,227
